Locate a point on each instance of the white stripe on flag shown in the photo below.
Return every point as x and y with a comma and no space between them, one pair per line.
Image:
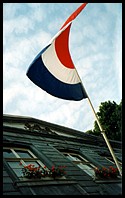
55,67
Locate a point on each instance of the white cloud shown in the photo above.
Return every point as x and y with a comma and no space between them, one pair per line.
95,47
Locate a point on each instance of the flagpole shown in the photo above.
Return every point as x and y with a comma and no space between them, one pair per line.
102,131
72,17
106,139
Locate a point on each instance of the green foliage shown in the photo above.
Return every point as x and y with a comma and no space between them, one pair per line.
110,117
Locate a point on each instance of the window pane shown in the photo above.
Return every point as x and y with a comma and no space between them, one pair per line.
70,158
75,158
18,171
7,153
15,164
23,154
87,169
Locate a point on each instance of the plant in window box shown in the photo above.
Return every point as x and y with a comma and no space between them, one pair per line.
57,171
30,171
106,173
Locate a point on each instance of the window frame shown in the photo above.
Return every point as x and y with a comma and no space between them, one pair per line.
110,159
19,159
83,161
63,151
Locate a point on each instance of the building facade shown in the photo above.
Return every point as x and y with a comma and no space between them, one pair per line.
33,147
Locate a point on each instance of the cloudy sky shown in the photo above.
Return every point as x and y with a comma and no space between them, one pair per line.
96,49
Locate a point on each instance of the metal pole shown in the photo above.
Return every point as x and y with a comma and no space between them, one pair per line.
102,131
106,139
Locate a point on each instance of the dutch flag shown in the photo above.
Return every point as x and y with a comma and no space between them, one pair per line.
53,70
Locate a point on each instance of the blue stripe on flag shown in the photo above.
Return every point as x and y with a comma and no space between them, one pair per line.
40,75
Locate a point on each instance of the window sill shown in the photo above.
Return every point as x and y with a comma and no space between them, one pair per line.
41,182
111,180
42,178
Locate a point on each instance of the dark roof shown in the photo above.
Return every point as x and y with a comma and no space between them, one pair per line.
47,140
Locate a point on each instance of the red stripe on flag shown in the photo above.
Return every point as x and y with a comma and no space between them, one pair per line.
62,48
74,14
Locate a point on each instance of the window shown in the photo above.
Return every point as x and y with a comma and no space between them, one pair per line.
81,163
14,156
110,159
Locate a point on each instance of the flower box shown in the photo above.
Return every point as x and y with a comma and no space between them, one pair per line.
32,172
106,173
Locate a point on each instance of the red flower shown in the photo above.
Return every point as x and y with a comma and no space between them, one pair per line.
20,163
30,171
53,168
